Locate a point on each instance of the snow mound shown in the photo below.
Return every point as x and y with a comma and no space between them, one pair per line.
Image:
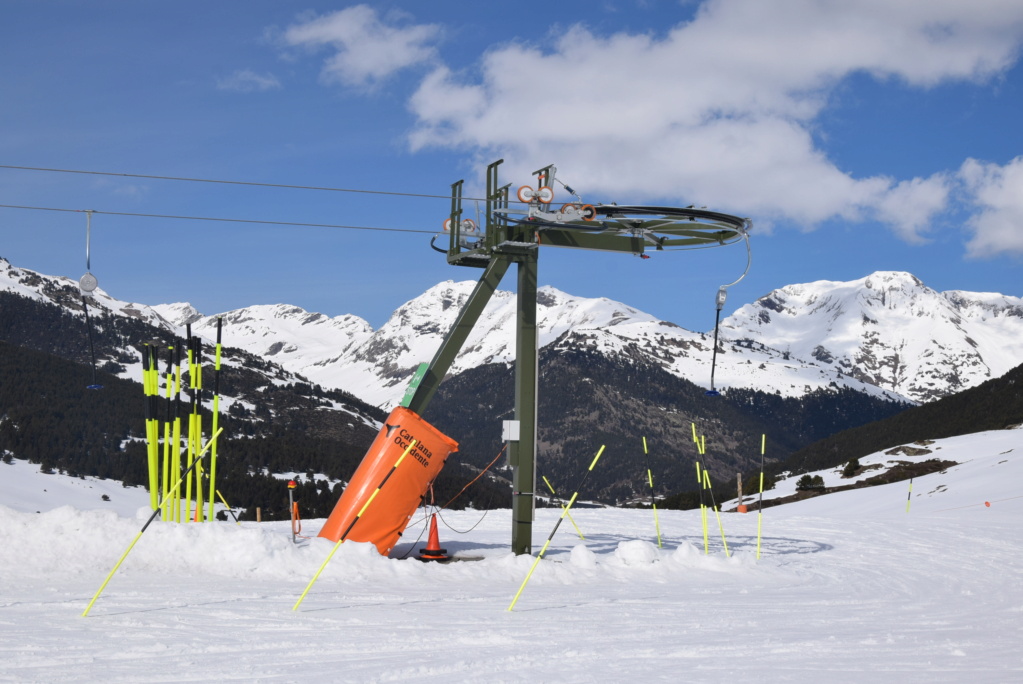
637,552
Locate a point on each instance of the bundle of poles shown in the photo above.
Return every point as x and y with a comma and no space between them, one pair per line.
165,413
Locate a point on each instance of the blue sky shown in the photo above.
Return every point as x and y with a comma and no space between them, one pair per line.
859,136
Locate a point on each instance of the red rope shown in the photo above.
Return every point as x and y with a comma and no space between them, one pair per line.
482,472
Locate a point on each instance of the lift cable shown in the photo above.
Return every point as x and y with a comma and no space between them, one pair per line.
222,219
233,182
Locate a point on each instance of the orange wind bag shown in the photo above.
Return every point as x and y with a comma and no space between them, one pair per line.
401,489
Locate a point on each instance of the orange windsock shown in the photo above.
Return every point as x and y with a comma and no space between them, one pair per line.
395,485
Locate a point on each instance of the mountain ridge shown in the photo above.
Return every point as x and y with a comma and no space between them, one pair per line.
886,333
591,346
889,329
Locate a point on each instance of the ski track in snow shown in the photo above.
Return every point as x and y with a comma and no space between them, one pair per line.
849,588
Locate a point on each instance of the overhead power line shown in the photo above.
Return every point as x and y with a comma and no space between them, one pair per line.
233,182
221,219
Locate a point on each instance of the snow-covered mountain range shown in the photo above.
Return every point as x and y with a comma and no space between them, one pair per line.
890,330
376,365
887,333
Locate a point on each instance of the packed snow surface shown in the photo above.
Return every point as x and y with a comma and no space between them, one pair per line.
849,587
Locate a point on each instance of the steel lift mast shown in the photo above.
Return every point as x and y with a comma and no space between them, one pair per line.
513,236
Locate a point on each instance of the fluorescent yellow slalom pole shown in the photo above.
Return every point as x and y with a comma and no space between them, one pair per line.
124,555
198,427
551,487
344,535
154,458
716,513
166,470
191,424
190,461
701,449
760,514
229,509
564,513
699,482
760,508
909,497
176,437
150,386
703,511
653,500
216,416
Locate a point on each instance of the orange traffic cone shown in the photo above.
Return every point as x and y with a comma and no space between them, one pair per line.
433,551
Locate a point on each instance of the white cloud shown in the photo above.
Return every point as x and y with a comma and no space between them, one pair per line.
997,192
248,81
368,50
719,110
910,205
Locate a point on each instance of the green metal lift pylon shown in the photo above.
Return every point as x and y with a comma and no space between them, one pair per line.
500,248
507,240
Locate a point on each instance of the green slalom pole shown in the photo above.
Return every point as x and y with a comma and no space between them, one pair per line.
760,507
551,487
564,513
216,416
653,502
138,536
358,516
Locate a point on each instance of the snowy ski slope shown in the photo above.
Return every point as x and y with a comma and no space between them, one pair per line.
849,588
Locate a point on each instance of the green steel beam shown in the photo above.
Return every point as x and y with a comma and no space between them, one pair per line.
456,337
602,241
455,229
522,454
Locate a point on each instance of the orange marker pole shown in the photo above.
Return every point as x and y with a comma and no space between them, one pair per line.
294,509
